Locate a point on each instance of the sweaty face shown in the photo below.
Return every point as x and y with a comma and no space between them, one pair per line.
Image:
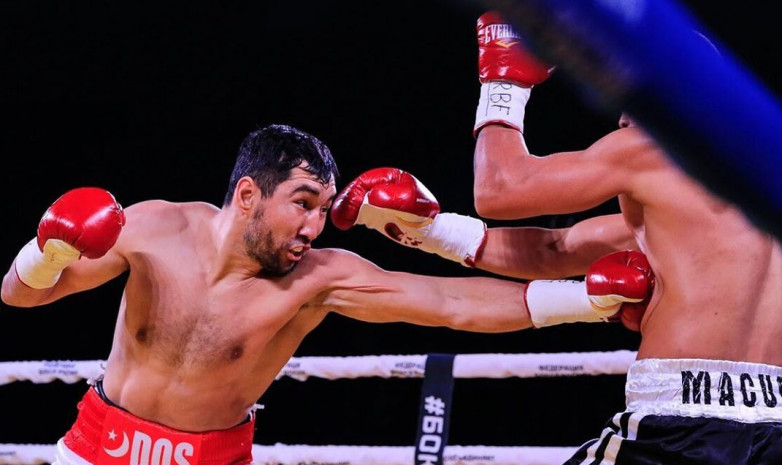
263,247
284,225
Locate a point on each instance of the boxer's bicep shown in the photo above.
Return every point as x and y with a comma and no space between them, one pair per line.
597,236
88,274
375,295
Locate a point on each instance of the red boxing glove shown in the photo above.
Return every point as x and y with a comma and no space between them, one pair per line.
507,72
617,286
501,56
621,279
389,188
85,221
87,218
394,203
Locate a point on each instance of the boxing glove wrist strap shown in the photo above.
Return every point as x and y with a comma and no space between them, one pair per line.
41,270
501,103
555,302
456,237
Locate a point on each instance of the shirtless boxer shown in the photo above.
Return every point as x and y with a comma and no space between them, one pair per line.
217,300
707,385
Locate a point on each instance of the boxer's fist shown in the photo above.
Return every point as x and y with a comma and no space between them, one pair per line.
85,221
394,203
507,72
502,57
621,278
89,219
382,199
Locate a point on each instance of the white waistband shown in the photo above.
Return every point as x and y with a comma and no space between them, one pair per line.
740,391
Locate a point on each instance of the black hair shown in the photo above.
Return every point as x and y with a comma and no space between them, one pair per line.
268,155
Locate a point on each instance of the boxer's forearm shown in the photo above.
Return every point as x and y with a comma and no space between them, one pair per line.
532,253
17,294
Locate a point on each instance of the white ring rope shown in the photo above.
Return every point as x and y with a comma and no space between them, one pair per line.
384,366
282,454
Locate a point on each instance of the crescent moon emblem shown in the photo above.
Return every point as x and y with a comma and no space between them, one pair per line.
122,449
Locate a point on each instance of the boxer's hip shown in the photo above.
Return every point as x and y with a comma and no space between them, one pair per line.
105,434
698,412
739,391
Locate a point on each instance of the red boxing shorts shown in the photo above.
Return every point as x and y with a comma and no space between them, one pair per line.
107,435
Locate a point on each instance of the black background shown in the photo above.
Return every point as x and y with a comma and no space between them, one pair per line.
152,100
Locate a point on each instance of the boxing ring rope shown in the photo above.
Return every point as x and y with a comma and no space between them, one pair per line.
279,454
384,366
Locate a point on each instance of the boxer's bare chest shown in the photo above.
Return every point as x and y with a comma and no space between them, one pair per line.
175,313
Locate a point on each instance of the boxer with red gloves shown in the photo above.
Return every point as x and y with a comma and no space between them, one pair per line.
219,298
394,203
507,73
83,222
715,310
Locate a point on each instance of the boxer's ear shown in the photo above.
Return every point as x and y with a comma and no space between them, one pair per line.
246,194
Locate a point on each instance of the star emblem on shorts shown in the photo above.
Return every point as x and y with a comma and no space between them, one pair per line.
112,435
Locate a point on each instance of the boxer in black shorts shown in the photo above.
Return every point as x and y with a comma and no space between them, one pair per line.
716,303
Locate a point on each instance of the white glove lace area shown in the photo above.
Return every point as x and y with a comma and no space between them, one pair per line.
566,301
455,237
41,270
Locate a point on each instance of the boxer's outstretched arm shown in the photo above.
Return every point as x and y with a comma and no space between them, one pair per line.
371,294
396,204
366,292
540,253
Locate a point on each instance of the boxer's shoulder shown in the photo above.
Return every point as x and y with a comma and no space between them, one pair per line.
160,218
330,261
331,267
627,145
